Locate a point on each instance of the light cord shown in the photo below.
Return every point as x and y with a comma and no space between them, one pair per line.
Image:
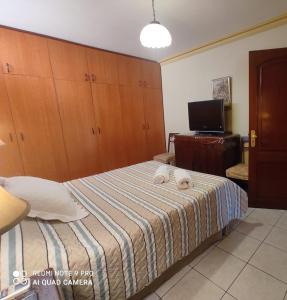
153,11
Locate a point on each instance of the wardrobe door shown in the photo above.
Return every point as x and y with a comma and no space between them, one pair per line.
133,124
102,66
24,54
10,160
129,71
107,104
35,113
151,74
153,108
77,115
68,61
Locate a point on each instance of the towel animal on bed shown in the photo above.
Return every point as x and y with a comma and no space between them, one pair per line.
182,178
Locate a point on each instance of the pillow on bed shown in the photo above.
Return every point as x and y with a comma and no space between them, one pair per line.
49,200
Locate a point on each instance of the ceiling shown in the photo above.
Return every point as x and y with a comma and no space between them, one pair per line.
116,24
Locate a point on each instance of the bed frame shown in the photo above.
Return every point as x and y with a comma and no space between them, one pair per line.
179,265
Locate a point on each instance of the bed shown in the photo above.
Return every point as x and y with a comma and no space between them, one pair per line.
135,232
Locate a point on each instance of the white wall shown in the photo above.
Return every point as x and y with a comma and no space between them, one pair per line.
190,78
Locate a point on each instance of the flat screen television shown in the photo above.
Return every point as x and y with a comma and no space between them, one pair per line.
206,116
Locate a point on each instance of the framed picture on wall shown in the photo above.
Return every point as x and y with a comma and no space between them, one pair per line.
221,89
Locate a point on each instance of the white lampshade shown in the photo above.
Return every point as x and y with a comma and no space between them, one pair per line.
154,35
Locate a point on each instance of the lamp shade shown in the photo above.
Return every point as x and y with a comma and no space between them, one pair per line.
12,210
154,35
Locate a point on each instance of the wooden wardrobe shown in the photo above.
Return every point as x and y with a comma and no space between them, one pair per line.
69,111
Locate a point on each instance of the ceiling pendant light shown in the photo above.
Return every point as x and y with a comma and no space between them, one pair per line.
154,35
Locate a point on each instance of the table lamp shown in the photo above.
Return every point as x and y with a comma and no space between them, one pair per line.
12,209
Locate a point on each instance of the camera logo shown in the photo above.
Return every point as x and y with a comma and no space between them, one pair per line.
20,277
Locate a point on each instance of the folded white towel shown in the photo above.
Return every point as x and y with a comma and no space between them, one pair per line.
182,179
161,175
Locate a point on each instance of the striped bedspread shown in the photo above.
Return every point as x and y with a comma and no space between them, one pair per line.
135,231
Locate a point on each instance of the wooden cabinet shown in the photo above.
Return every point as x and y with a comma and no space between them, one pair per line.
68,61
102,66
154,122
10,160
36,118
151,74
138,72
79,127
69,111
133,124
129,71
207,154
107,105
24,54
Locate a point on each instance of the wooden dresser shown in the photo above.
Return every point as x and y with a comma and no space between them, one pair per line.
207,153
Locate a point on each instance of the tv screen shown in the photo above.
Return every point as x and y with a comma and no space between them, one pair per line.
206,116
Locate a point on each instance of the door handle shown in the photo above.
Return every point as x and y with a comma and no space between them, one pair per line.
93,77
253,138
99,130
93,131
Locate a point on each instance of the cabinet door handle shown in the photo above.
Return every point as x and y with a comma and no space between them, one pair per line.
11,137
87,77
99,130
22,136
94,77
93,131
8,69
147,125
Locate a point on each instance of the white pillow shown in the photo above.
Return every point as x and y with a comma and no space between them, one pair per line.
49,200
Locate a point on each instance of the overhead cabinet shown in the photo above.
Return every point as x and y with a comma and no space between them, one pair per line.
68,61
102,66
24,54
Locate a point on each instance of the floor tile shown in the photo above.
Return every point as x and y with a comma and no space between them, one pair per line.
163,289
200,257
266,216
227,297
257,285
283,221
220,267
278,238
254,228
239,245
249,211
194,286
152,296
271,260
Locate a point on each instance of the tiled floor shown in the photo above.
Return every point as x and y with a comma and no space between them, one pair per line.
248,264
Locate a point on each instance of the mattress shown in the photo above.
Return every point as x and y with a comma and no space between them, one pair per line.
135,231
